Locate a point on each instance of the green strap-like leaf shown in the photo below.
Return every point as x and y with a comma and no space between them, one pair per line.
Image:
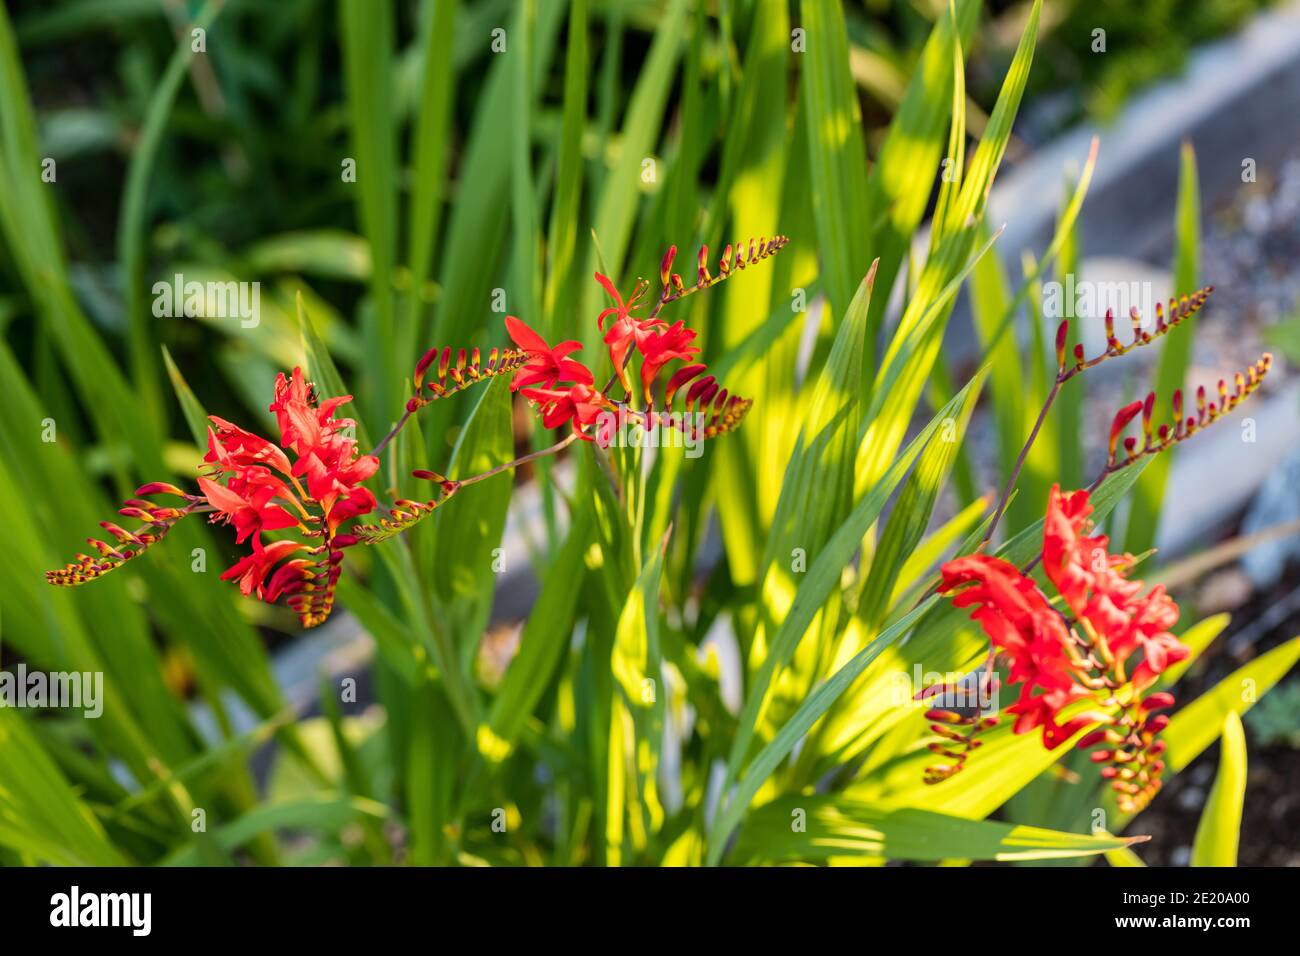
821,828
1217,833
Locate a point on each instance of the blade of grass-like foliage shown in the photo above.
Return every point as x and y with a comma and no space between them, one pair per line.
990,302
40,814
1220,824
954,161
388,630
1195,727
915,346
326,253
997,133
561,274
465,561
817,492
355,774
755,198
818,487
903,531
636,730
636,663
1039,472
839,159
621,189
541,646
927,552
817,703
834,827
635,660
366,29
131,218
1175,354
524,230
62,630
897,189
328,812
910,517
32,235
1123,857
903,366
195,417
476,227
430,774
562,235
429,151
816,589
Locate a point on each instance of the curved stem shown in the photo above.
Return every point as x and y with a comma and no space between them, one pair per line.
392,433
1020,461
531,456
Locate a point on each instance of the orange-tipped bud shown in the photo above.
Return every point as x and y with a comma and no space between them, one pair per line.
1126,415
666,266
944,716
1156,724
1148,407
1092,739
158,488
1062,336
1158,701
422,366
1139,334
1111,340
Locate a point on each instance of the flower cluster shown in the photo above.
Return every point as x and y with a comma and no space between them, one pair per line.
295,533
564,390
1090,662
251,483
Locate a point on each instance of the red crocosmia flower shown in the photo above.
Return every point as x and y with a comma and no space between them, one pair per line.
305,425
1042,710
546,365
251,570
291,406
1016,617
625,329
334,475
622,311
660,348
251,507
579,403
355,502
232,447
